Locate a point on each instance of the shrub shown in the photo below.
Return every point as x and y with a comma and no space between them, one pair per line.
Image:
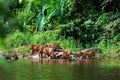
17,39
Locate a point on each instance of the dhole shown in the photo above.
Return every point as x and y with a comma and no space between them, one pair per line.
36,48
86,54
49,51
89,53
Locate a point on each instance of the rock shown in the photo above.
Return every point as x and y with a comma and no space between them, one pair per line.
11,56
35,56
15,56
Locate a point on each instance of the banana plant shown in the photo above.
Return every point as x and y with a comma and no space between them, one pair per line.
42,18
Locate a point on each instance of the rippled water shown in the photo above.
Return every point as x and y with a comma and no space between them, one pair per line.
60,70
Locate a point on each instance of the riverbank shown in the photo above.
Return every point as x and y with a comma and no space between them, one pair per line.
24,55
19,42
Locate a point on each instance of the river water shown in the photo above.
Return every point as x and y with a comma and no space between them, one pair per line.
60,70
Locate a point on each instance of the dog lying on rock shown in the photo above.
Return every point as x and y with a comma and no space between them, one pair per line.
89,53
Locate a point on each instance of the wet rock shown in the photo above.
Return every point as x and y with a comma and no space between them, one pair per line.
35,56
9,56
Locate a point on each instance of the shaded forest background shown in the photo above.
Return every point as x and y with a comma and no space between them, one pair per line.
73,24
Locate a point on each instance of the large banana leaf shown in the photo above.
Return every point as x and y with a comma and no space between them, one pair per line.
42,19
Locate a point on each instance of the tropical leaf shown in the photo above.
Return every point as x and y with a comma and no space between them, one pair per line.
48,11
29,5
50,15
40,18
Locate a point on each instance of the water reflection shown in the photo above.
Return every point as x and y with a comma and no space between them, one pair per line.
61,70
50,61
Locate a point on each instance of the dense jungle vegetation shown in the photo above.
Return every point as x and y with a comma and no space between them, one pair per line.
73,24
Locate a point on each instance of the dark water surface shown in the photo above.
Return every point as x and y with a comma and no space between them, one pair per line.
60,70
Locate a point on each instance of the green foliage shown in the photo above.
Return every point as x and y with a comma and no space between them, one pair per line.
48,12
102,19
25,17
105,3
74,24
40,17
110,5
52,37
110,48
17,39
2,46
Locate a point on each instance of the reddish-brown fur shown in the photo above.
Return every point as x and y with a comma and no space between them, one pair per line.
87,54
49,51
36,48
66,54
55,46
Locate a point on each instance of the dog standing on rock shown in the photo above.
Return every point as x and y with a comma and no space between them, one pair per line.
36,48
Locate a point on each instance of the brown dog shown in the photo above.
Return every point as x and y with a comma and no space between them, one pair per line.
89,53
86,54
36,48
49,51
